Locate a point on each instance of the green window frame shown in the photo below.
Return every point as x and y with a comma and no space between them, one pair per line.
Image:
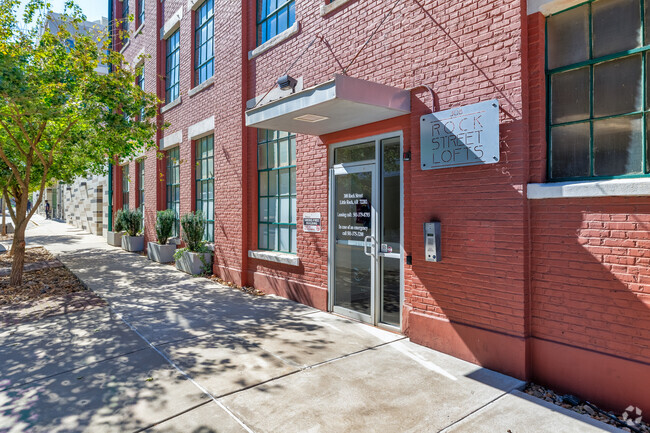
597,76
140,168
173,180
125,20
140,84
173,59
276,165
204,43
125,187
140,12
274,17
204,183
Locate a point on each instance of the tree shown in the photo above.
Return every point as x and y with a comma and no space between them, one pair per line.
60,117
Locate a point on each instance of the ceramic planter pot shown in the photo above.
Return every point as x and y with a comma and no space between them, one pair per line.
160,253
132,243
192,264
114,238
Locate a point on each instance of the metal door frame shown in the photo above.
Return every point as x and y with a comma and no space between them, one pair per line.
375,301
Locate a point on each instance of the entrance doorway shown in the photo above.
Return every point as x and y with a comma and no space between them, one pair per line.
365,265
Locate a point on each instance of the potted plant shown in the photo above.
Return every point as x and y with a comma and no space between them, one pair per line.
132,240
160,251
114,238
195,258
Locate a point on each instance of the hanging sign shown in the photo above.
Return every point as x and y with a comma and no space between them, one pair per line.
311,222
462,136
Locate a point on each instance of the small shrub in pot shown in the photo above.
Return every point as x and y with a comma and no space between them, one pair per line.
195,258
114,237
160,251
164,225
132,223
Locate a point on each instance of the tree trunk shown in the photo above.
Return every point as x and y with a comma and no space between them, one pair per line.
4,224
18,248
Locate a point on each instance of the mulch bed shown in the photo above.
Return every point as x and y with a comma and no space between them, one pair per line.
246,289
48,289
630,415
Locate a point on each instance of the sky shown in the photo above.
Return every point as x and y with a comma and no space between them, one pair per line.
93,9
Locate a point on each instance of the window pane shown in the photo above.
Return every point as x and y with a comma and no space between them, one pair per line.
293,210
293,181
568,37
273,237
616,26
617,86
264,183
273,159
273,210
284,238
570,150
283,18
284,181
570,95
357,152
261,156
285,216
261,135
284,153
264,209
647,22
617,146
264,236
273,183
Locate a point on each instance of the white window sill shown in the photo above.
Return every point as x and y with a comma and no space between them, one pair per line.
138,30
331,7
171,105
273,256
275,40
125,46
591,188
204,85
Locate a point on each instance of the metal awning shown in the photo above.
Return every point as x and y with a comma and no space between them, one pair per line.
335,105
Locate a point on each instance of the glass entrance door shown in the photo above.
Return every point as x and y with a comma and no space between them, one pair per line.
354,260
366,271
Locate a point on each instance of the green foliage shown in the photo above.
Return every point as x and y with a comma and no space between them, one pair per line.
193,225
119,221
164,225
62,115
132,221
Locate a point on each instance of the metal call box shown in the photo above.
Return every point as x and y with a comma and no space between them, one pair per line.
432,241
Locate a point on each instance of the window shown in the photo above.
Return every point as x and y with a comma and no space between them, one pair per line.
140,168
276,163
274,17
204,43
204,176
125,19
125,187
597,74
172,81
140,12
174,186
139,81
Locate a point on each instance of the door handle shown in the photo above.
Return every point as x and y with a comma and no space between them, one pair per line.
373,246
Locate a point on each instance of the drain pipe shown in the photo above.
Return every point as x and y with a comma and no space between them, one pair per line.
110,165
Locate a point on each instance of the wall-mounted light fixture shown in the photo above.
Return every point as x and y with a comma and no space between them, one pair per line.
286,82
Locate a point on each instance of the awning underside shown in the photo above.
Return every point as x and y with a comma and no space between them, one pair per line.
339,104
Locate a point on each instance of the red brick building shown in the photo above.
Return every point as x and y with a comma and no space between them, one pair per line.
319,191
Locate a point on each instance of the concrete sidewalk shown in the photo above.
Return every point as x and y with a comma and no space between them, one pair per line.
173,353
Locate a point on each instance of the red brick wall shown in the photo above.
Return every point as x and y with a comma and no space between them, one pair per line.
468,52
590,272
228,115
